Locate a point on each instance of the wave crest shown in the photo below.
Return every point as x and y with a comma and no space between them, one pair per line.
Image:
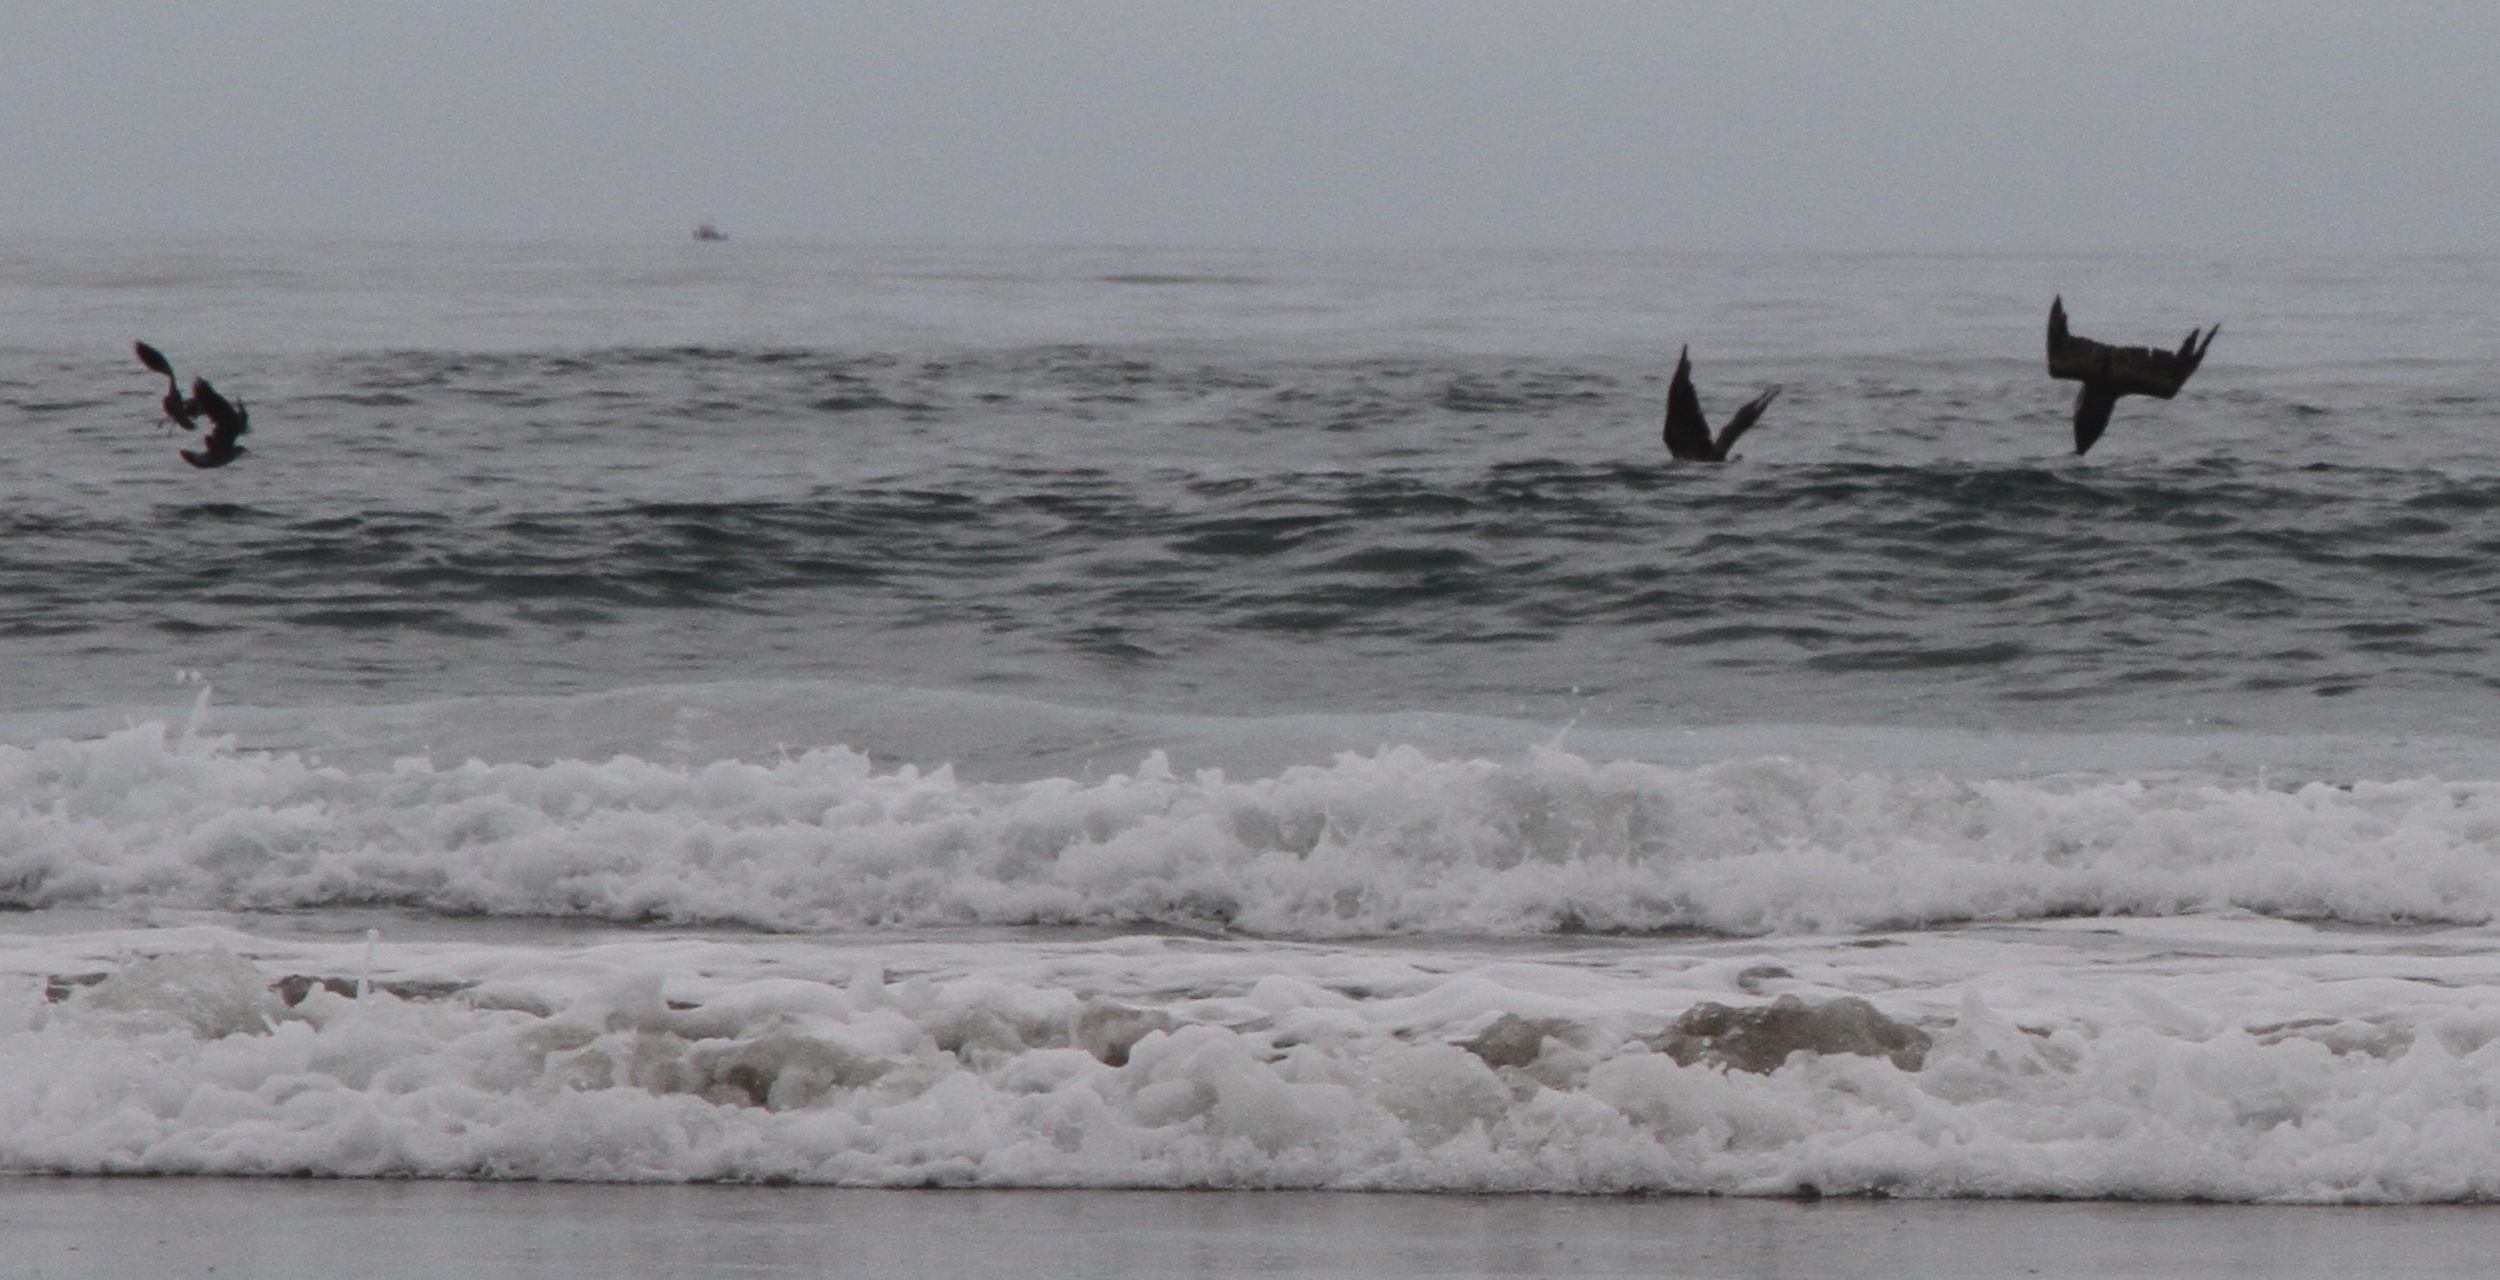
1391,842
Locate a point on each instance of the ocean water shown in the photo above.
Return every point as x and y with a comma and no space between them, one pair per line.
1152,718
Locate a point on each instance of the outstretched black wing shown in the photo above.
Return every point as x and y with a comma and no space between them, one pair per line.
2069,356
1744,420
1686,433
154,359
2128,371
2141,371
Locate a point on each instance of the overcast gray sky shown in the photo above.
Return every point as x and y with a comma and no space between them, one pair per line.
2225,125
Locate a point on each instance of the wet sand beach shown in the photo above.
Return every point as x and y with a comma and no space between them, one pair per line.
300,1230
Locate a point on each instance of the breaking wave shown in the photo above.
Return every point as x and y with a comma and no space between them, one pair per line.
1391,842
1254,1065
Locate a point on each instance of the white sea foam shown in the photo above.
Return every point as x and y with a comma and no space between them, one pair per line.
2169,986
2146,1059
1395,841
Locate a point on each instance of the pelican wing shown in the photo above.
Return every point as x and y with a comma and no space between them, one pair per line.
2142,371
2069,356
2129,371
1744,420
154,359
1687,434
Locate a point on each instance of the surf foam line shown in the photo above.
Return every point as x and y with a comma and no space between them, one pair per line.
2332,1076
1386,843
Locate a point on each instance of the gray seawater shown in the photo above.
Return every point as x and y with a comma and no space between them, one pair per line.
1256,483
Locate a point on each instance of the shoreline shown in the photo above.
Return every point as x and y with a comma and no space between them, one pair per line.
284,1228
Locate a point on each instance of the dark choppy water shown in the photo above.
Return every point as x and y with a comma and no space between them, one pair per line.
1250,484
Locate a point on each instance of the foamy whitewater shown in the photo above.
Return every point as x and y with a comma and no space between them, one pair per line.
1150,719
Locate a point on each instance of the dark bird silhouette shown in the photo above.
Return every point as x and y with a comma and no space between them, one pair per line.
228,420
1687,433
2108,372
185,414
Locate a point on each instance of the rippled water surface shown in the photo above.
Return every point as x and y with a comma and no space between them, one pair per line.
1256,483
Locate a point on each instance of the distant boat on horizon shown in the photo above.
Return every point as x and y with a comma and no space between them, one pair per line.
708,231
